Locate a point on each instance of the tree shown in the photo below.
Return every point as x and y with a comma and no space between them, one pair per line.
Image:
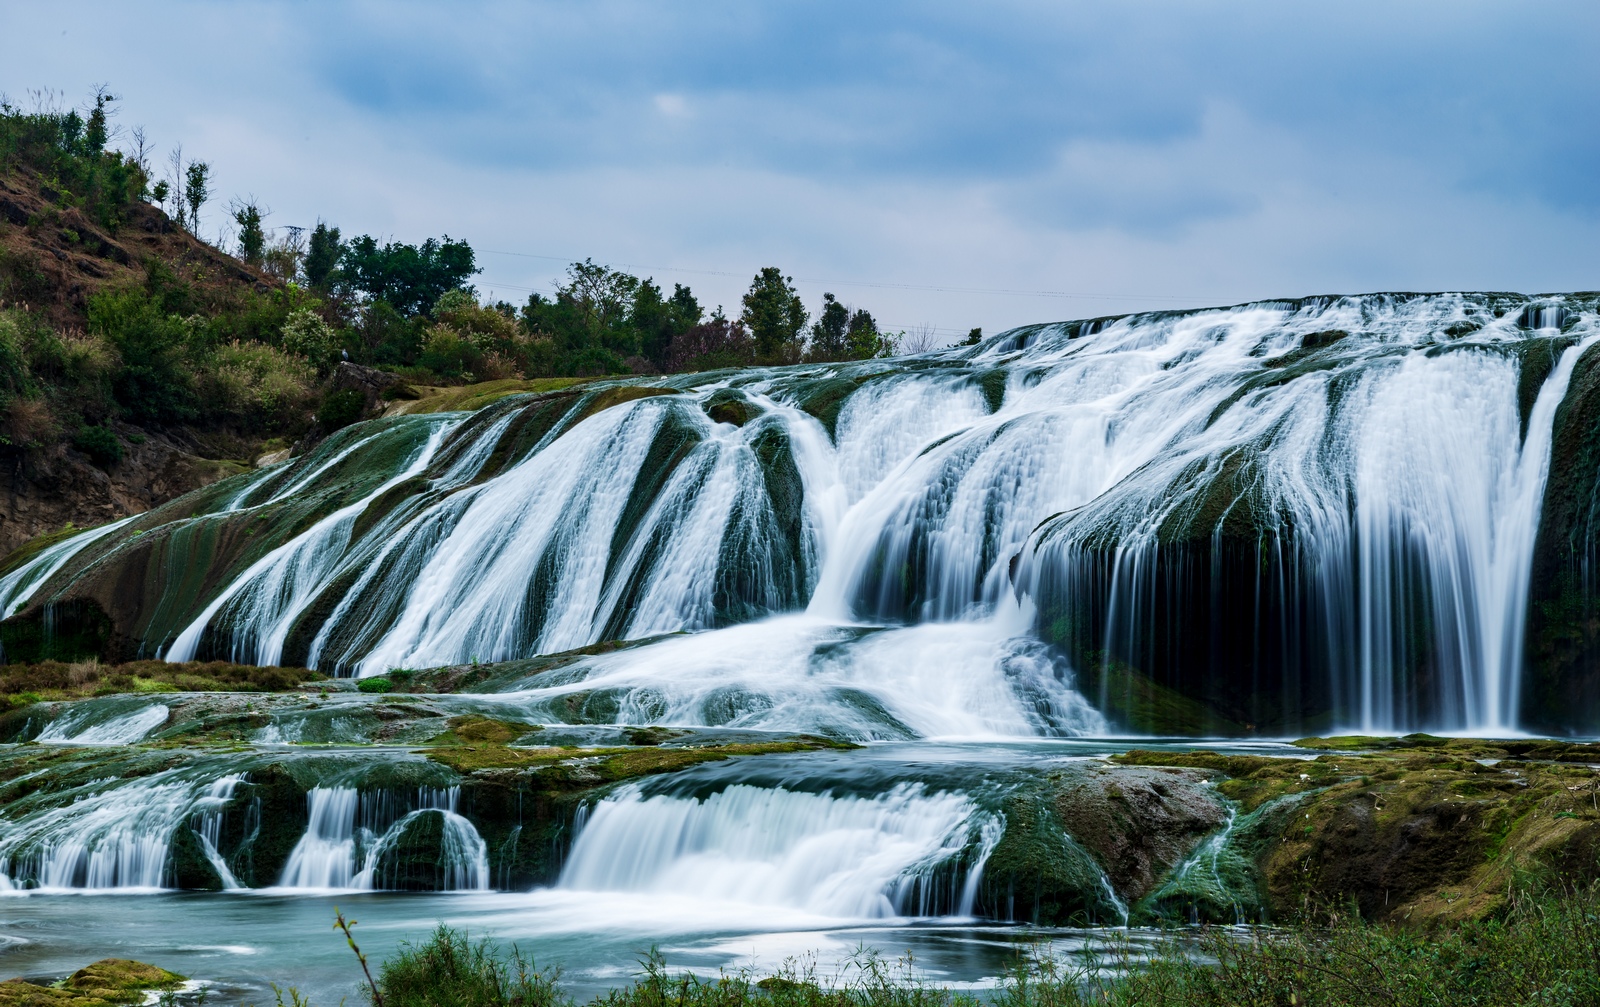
195,191
863,340
660,320
775,316
828,333
322,258
973,338
409,278
252,238
98,130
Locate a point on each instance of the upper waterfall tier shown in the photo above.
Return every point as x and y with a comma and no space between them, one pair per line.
1280,515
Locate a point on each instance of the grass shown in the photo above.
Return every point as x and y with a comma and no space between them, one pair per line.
1544,949
24,684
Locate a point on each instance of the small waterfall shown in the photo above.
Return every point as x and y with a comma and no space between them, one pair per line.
348,835
18,586
266,598
77,727
207,823
837,856
325,857
108,834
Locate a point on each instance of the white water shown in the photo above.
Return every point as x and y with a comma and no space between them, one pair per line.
112,834
18,586
1394,483
71,728
833,856
341,852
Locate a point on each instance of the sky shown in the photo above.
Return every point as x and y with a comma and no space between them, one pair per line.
945,165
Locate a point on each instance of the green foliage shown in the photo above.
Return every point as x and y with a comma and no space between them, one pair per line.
828,332
775,317
973,338
252,237
449,970
409,278
340,408
196,190
307,335
153,383
322,256
69,155
375,683
100,444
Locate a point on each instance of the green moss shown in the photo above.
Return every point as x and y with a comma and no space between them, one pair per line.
729,405
467,398
473,729
119,980
567,769
34,546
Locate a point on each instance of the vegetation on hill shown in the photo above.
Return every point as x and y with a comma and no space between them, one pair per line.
114,312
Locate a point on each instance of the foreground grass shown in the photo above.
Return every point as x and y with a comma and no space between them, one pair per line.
1545,950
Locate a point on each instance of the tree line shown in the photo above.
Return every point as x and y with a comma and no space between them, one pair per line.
183,347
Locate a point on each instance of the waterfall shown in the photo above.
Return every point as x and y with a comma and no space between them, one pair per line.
325,857
838,856
344,848
1321,510
78,726
107,834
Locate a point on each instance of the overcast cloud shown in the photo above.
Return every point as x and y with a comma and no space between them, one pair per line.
1131,155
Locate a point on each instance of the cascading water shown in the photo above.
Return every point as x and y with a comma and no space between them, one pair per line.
104,834
835,856
348,835
1285,512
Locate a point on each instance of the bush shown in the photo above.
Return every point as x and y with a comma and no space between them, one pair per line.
153,384
376,683
306,335
451,971
340,408
100,444
258,386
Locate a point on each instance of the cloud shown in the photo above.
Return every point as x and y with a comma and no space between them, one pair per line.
1140,152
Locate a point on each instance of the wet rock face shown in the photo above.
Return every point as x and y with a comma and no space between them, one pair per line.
1139,823
1079,843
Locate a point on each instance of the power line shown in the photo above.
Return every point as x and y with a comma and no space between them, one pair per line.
870,283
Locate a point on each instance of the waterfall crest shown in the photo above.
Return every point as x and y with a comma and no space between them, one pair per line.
1229,520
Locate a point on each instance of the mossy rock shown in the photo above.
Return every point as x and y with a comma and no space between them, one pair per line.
826,398
466,398
1038,874
615,396
729,405
30,549
120,980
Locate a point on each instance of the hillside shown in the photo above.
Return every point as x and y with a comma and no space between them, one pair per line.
77,444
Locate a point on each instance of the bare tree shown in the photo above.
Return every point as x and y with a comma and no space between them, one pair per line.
140,154
920,339
174,182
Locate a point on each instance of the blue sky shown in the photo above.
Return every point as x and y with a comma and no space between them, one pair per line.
942,164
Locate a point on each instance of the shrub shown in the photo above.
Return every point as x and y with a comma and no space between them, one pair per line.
448,970
259,386
340,408
100,444
306,335
376,683
153,383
